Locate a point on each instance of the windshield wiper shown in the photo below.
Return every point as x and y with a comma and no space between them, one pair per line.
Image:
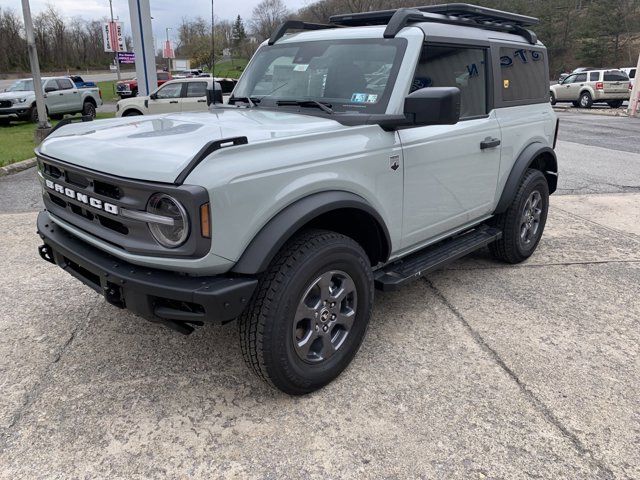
252,101
307,103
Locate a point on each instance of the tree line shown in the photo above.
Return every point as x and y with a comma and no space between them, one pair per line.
596,33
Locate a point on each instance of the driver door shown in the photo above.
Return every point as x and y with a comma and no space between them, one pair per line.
166,99
54,98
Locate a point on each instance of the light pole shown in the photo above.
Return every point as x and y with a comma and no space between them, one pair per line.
213,50
166,45
116,54
44,127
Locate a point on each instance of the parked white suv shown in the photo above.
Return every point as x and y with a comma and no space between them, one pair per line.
182,95
584,89
631,73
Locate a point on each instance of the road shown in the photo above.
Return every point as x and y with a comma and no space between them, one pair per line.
482,370
100,77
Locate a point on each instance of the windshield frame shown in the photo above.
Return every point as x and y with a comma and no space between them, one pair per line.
338,105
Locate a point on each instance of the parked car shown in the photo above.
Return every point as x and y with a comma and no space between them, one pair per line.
576,70
129,88
285,209
631,73
18,102
182,95
80,83
594,86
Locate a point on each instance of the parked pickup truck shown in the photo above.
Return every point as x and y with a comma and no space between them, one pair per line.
129,88
18,102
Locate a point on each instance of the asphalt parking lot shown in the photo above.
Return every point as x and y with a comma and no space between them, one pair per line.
480,371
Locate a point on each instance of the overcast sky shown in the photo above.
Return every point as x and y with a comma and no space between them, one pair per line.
166,13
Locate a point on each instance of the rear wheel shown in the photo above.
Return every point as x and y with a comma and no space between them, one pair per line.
585,100
523,222
615,103
131,113
308,317
89,110
552,98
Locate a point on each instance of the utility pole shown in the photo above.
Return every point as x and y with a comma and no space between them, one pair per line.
116,54
44,127
213,50
166,45
634,100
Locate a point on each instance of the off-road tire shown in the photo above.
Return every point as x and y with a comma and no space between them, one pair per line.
615,103
552,98
88,110
267,327
510,248
585,100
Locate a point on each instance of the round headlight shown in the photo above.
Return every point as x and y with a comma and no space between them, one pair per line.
174,230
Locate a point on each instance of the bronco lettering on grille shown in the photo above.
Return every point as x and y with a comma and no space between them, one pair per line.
82,198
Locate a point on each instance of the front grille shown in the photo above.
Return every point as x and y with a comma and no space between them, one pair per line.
122,88
93,202
5,104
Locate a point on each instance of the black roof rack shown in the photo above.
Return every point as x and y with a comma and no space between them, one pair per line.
451,13
296,25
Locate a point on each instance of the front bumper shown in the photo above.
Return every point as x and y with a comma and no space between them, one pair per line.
177,300
14,113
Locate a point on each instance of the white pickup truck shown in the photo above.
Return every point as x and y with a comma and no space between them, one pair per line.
18,102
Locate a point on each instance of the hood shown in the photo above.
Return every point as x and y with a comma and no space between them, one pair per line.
158,147
15,95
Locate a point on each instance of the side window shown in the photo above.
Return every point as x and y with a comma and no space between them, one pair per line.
569,79
51,86
523,74
196,89
594,76
632,73
581,77
171,90
462,67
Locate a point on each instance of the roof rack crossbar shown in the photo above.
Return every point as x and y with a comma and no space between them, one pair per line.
454,14
296,25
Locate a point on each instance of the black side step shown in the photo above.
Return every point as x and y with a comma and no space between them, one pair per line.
393,276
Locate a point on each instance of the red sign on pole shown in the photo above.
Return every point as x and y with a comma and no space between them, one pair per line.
167,51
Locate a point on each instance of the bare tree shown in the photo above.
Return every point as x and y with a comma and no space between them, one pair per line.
267,16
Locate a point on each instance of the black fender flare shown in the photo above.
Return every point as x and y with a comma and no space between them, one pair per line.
270,239
525,160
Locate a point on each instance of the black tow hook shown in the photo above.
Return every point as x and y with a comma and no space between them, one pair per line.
46,253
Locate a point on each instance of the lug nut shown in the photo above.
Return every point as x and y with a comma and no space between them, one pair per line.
333,317
325,328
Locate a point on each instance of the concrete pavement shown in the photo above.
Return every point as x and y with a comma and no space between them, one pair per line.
482,370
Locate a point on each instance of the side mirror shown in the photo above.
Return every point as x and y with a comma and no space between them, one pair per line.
153,96
214,95
433,106
49,89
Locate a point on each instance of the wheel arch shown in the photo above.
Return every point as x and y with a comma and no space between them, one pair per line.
130,110
339,211
537,156
91,100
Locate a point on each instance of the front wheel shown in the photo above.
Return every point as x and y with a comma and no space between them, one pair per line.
523,222
552,98
308,317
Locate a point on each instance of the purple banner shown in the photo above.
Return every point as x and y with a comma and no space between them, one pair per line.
126,57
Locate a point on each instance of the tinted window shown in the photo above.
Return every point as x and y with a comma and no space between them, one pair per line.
163,76
581,77
64,83
460,67
171,90
594,76
196,89
632,73
615,76
523,74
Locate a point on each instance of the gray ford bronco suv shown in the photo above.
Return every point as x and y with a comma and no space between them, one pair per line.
355,155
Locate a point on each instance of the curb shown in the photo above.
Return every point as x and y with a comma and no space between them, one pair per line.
17,167
587,111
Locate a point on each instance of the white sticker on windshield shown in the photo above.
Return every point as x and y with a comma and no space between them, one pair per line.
372,98
359,98
300,68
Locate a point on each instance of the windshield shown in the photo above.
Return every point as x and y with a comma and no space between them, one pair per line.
22,86
350,75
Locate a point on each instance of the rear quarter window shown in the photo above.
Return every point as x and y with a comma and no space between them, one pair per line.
594,76
523,73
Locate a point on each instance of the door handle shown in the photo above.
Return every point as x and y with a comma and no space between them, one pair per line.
173,101
489,142
61,94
